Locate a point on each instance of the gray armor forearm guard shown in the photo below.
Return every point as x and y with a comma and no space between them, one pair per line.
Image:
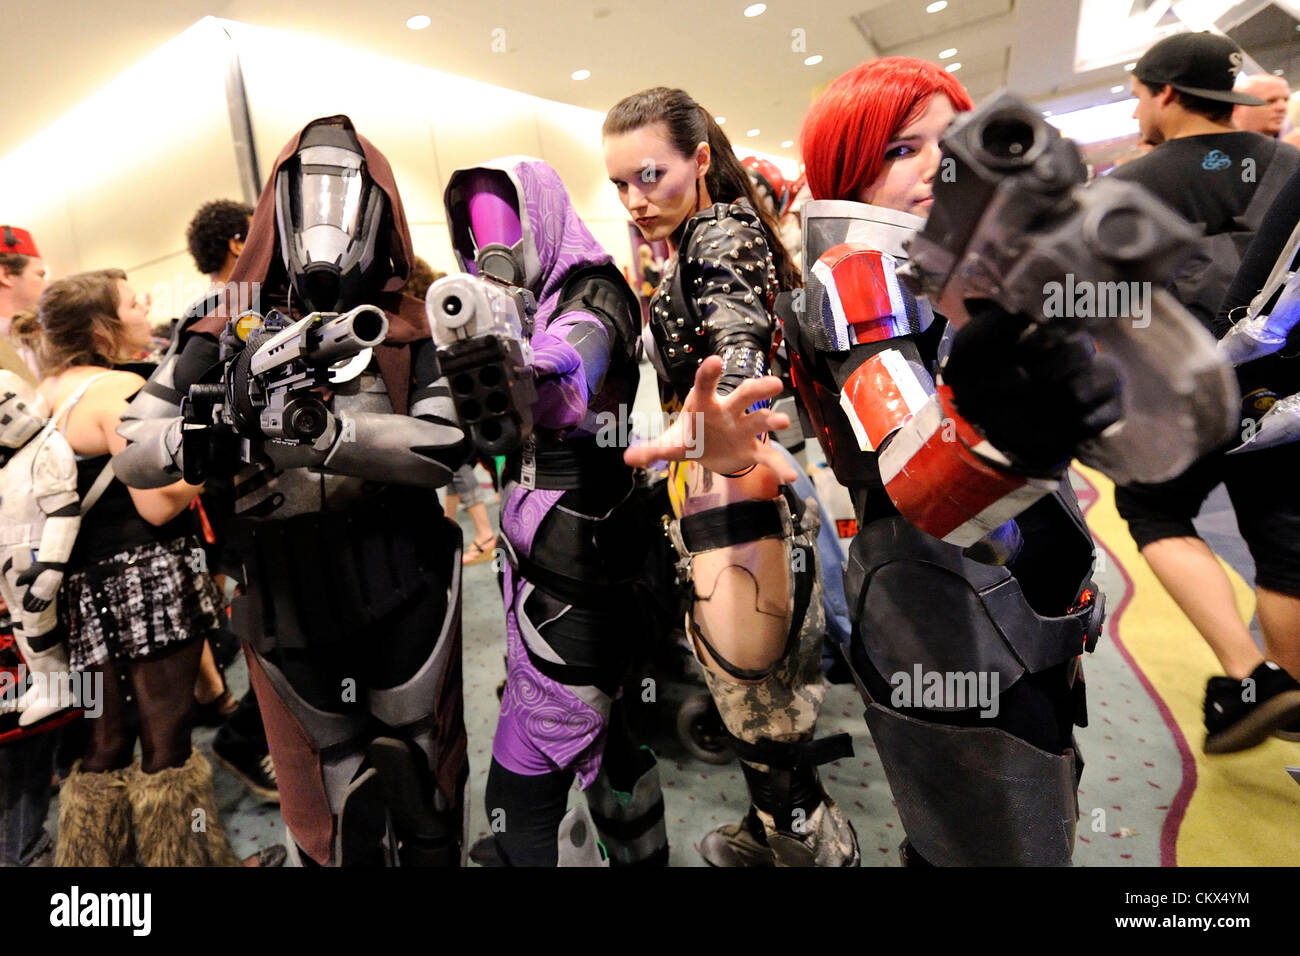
368,445
152,421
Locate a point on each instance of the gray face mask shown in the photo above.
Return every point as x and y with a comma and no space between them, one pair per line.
330,216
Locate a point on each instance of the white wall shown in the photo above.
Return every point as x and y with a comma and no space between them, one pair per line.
428,124
115,181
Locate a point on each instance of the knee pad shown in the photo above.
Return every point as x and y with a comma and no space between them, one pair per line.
631,823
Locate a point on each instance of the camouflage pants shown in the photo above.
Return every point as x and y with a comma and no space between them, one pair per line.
782,708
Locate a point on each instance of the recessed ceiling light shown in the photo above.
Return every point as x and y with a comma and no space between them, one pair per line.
418,22
944,54
813,60
937,6
953,67
752,132
1047,112
1130,67
580,74
1118,88
787,143
1278,72
755,9
720,120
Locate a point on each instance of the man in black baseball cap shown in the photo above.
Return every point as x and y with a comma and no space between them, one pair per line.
1221,179
1203,65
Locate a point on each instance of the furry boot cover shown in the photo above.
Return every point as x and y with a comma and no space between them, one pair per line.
95,820
175,814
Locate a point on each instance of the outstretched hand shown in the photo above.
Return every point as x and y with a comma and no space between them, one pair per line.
719,431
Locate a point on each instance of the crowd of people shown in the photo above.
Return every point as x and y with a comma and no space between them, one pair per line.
319,540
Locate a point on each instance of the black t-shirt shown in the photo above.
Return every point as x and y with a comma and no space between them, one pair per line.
1209,179
113,525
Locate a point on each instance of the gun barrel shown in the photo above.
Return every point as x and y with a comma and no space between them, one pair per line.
462,307
457,306
343,337
1009,137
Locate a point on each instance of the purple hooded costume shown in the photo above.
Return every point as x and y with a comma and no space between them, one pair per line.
585,360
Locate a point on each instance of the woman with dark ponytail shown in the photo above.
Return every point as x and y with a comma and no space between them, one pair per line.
684,125
756,623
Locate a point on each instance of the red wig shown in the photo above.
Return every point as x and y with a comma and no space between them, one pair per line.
846,131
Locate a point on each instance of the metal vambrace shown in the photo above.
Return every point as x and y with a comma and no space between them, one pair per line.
951,482
381,446
152,457
939,472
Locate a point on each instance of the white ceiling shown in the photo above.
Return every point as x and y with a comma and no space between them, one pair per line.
751,71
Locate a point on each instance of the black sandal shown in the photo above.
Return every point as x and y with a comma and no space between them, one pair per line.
476,553
215,711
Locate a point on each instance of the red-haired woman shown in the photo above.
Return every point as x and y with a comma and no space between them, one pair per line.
968,580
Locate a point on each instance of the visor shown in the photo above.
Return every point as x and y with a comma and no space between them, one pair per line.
330,215
489,231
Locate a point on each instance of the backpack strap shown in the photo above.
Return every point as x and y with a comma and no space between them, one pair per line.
102,481
105,477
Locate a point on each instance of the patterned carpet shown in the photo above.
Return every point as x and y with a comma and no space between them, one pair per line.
1148,797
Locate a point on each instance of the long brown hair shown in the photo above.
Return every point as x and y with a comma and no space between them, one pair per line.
688,125
76,322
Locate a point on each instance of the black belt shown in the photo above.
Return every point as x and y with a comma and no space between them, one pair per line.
731,524
791,756
595,594
568,466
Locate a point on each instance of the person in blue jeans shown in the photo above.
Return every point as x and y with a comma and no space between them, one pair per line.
25,768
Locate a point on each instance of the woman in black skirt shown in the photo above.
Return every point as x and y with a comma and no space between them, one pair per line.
135,601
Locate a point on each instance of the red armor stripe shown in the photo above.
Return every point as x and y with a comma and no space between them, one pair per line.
881,395
865,298
940,485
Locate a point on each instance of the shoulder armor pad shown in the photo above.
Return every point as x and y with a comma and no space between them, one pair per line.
858,298
604,292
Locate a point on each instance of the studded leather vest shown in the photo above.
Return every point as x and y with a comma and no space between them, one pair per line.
715,299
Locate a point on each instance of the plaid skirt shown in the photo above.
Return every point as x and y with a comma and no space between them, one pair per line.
136,604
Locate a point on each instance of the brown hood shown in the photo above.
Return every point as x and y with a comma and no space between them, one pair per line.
262,262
